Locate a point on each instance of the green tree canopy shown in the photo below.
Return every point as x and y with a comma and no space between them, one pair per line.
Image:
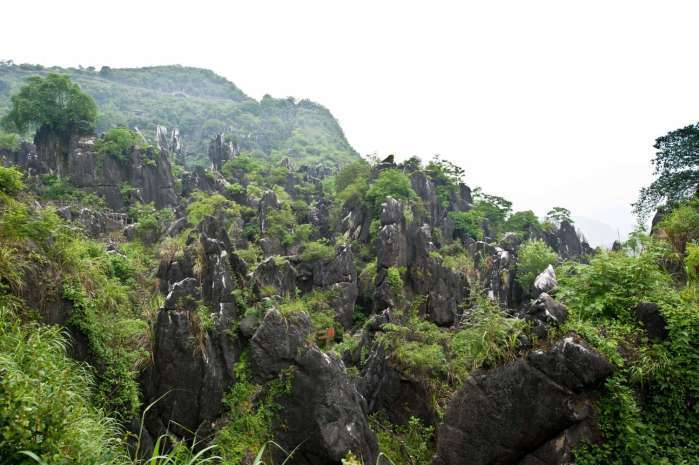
558,215
391,182
54,104
676,165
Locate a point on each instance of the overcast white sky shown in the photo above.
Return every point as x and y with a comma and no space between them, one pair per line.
543,102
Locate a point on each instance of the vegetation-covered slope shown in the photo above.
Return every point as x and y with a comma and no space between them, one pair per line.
383,314
201,104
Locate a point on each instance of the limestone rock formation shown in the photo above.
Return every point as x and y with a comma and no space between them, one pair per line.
503,415
323,414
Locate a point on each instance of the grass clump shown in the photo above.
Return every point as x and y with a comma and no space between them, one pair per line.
45,400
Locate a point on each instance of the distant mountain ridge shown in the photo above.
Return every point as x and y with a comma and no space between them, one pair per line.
201,104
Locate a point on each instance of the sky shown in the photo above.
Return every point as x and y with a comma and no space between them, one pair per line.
546,103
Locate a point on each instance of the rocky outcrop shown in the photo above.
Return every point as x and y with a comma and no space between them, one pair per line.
391,390
652,320
146,173
565,241
198,179
512,413
546,281
496,270
275,276
193,359
95,223
391,252
337,276
444,289
323,413
221,151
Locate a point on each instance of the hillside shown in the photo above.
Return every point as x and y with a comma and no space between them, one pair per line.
384,313
201,104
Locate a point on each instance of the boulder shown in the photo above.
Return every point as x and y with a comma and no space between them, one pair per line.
648,314
275,276
323,413
389,389
546,281
503,415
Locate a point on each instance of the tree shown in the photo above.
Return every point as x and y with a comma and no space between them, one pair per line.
54,104
520,222
533,258
558,215
391,182
676,165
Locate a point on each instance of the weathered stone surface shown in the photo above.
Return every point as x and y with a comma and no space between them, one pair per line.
502,415
648,314
324,414
546,281
275,276
192,365
148,173
220,151
95,223
389,389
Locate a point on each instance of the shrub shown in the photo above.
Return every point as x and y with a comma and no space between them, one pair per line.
682,225
45,400
532,258
412,443
10,141
11,181
317,251
468,223
214,205
393,183
119,143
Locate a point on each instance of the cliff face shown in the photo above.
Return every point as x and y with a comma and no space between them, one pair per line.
144,177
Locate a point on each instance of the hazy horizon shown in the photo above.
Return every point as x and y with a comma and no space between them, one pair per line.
544,104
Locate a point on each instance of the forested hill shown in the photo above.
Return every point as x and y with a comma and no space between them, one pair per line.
201,104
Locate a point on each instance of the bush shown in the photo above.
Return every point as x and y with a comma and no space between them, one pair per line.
468,223
647,412
316,251
214,205
45,400
11,181
404,444
393,183
119,143
532,258
10,141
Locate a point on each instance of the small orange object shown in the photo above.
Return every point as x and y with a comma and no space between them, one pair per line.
325,335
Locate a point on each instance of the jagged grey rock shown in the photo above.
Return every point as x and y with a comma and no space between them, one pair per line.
323,414
502,415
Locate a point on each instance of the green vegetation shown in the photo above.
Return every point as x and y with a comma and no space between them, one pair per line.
393,183
443,359
252,409
119,143
558,215
408,444
214,205
44,408
10,141
469,223
676,166
11,181
201,104
648,410
317,251
53,104
532,258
